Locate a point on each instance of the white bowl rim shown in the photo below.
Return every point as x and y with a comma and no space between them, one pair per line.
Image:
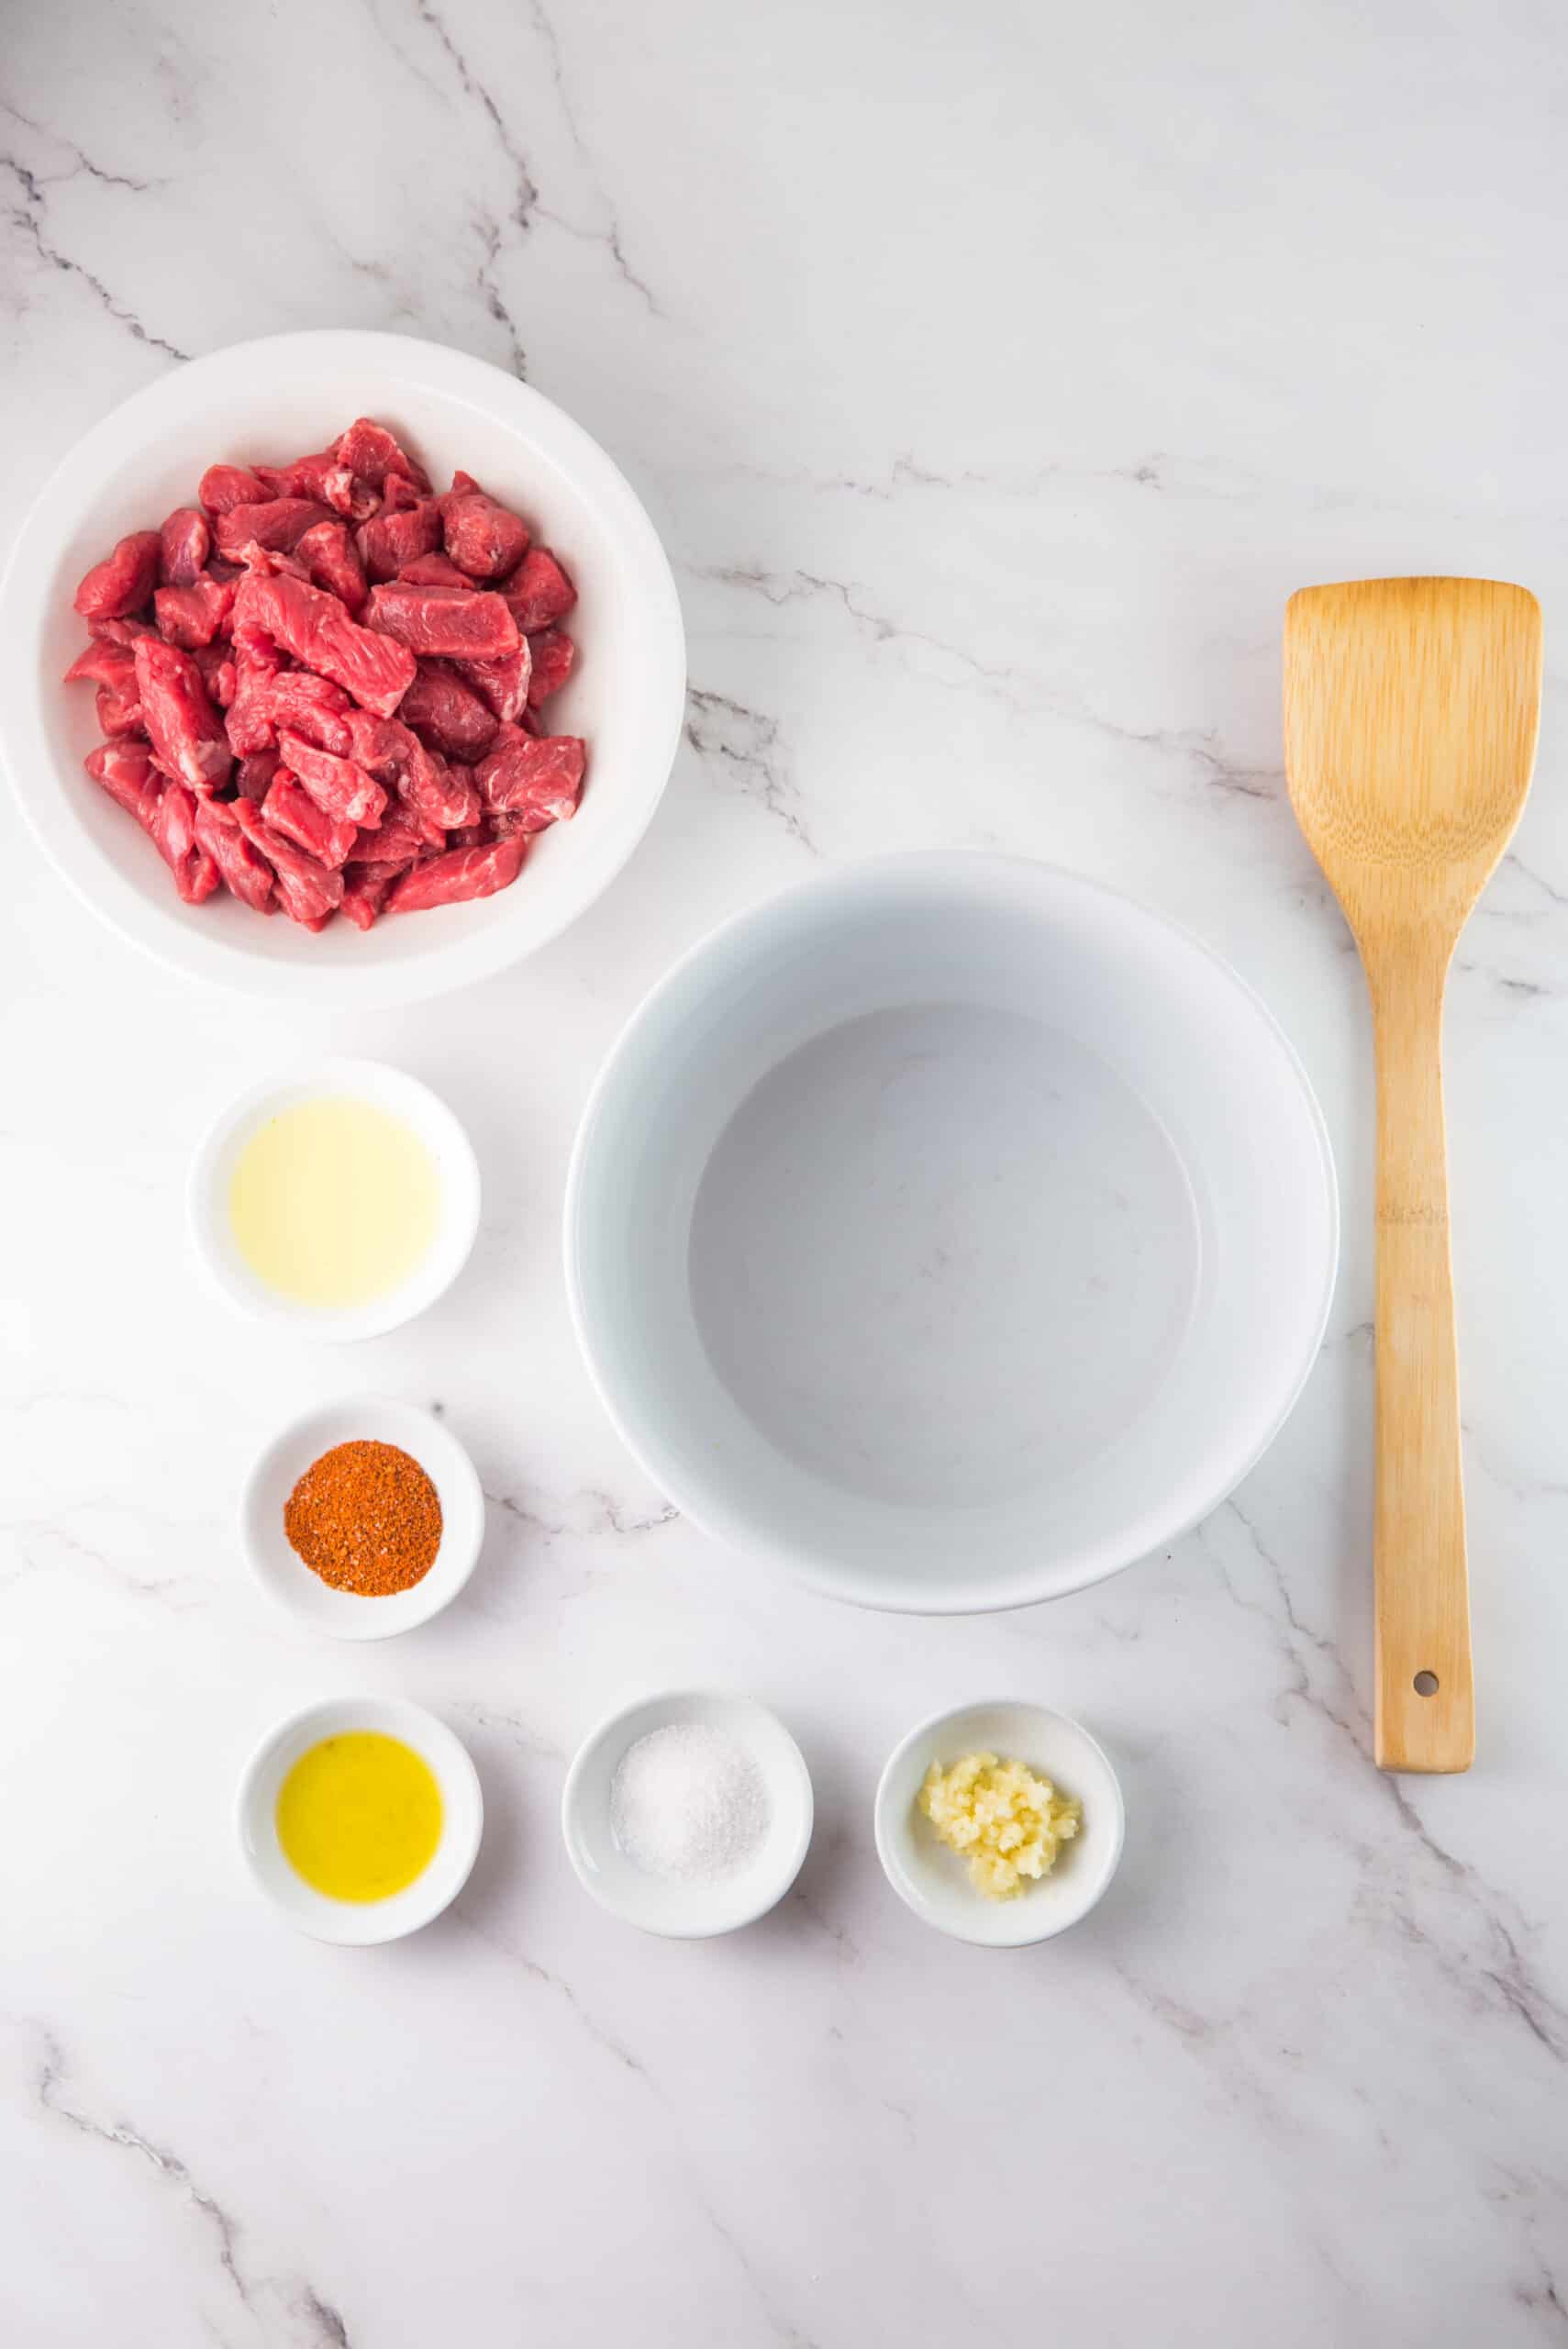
425,1112
366,1924
711,1515
614,1727
439,1587
929,1732
139,919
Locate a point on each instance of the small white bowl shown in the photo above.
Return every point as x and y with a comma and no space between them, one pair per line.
282,1573
935,1883
678,1910
950,1232
401,1096
271,400
361,1923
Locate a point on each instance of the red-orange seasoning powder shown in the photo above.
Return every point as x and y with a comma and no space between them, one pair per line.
365,1518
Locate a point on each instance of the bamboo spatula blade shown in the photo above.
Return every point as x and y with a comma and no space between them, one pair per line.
1411,708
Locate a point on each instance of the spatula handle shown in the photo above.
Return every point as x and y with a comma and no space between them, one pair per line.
1425,1709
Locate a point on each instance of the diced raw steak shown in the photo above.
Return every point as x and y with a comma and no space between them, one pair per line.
344,790
365,892
389,541
278,526
175,830
539,592
462,874
447,715
184,543
222,487
397,840
554,654
307,891
254,776
444,621
192,615
311,705
122,631
481,537
323,478
105,663
331,560
316,631
216,662
120,710
123,581
370,451
243,868
291,809
126,772
433,571
257,661
538,780
186,732
503,684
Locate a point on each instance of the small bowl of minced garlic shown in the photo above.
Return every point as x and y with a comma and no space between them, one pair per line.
999,1823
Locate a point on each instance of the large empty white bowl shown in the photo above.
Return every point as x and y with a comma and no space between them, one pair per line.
273,400
951,1233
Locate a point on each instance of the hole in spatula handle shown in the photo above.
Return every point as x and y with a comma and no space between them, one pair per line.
1426,1684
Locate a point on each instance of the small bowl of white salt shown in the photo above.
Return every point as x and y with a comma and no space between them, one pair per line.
688,1814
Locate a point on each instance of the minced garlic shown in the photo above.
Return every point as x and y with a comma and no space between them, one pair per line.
999,1817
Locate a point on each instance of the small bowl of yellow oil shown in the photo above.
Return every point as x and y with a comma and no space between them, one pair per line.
359,1818
341,1199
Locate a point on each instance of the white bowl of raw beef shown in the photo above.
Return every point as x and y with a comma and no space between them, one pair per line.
269,402
951,1233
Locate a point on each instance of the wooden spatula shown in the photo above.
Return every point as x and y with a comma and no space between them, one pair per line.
1410,716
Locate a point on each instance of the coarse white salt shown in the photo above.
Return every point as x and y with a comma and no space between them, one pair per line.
687,1801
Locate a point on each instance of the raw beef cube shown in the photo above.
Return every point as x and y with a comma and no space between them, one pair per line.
120,710
216,662
481,537
278,526
310,706
184,543
342,789
173,829
365,892
291,809
504,684
444,621
315,630
462,873
105,663
308,891
257,661
553,653
124,770
447,715
537,782
323,478
433,571
395,841
370,451
539,592
399,494
122,631
123,581
222,487
243,867
389,541
272,560
186,731
255,775
193,615
331,561
434,795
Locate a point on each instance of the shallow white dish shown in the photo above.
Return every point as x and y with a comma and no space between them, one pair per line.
688,1911
950,1232
400,1095
462,1820
283,1575
935,1881
272,400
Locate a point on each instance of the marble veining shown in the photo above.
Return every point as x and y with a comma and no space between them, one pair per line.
993,378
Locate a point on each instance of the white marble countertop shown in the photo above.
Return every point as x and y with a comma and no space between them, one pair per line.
993,375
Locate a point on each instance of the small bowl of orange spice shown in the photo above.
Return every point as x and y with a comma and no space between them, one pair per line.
363,1518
